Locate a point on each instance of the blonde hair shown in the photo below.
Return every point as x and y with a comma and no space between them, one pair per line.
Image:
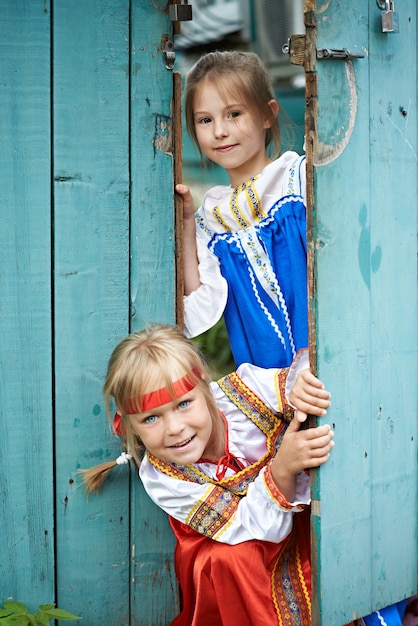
237,74
145,361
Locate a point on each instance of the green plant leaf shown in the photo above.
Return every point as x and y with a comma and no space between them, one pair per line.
42,618
7,621
15,607
46,607
61,614
21,620
4,612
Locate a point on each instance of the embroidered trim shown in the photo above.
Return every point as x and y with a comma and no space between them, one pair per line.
216,212
287,410
180,472
235,208
213,514
237,483
202,228
289,591
261,304
250,404
254,202
274,491
292,175
253,407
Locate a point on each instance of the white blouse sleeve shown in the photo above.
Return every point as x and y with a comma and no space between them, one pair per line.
262,514
205,306
300,362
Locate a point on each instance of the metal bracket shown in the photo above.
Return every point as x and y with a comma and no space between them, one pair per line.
169,55
323,54
295,48
180,12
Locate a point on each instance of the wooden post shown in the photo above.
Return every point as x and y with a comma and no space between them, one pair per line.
178,200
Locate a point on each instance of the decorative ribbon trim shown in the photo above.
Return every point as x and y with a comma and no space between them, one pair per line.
118,425
380,618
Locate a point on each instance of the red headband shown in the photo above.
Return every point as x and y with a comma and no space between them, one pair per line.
152,400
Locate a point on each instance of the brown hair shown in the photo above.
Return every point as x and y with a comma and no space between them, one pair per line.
235,73
145,361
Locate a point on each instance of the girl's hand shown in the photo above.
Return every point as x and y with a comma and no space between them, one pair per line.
300,450
191,278
303,449
309,394
188,204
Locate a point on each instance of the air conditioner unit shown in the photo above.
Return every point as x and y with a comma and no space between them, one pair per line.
275,22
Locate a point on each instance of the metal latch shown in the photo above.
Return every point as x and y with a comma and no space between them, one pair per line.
324,54
296,44
179,11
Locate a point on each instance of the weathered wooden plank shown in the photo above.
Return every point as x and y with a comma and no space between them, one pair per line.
154,588
91,259
152,286
177,135
26,480
366,340
393,288
342,330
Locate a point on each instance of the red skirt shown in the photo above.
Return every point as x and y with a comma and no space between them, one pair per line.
254,583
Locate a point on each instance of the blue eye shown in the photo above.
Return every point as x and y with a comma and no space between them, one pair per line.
183,404
151,419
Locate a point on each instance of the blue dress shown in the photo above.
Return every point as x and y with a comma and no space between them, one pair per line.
389,616
257,234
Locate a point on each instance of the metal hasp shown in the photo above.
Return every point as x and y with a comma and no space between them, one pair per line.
296,48
390,21
169,54
323,54
180,12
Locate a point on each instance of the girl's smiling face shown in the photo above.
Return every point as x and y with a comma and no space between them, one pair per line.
180,431
230,133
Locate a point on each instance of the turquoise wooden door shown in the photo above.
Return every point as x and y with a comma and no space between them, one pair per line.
87,255
362,144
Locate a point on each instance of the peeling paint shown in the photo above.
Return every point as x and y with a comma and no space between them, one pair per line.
162,139
324,7
363,252
326,153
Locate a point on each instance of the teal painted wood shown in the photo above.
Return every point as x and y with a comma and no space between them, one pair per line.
26,484
91,304
154,597
113,562
365,219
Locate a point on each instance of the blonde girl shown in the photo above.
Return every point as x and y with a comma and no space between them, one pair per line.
227,462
